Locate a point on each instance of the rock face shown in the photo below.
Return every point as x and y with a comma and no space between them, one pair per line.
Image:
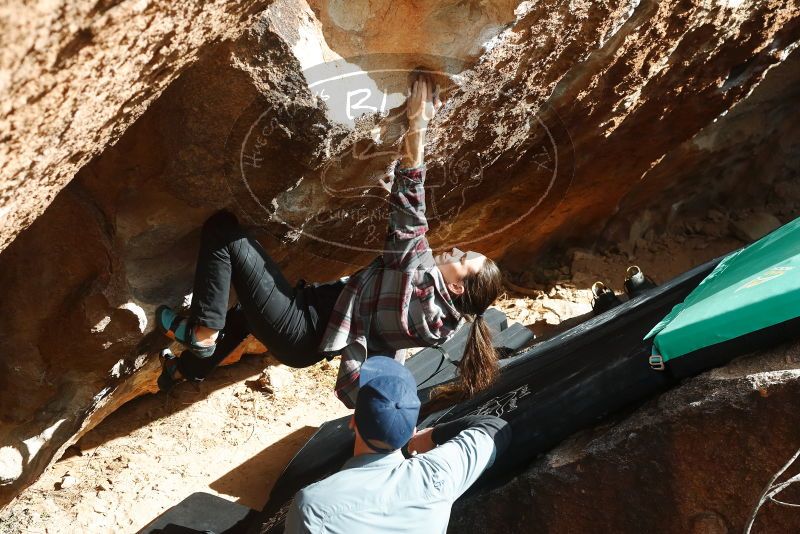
451,33
697,459
160,113
741,159
76,76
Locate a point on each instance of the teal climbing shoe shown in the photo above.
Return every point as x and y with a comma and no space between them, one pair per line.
178,328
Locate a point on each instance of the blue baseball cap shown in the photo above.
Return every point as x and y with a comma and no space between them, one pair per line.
387,405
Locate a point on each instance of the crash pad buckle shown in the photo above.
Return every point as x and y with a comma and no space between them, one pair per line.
656,362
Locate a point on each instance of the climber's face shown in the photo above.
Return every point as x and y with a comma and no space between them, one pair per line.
456,265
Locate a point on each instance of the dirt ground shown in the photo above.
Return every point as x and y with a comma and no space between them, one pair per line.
230,437
224,436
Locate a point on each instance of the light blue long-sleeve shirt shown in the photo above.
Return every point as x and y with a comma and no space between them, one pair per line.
388,493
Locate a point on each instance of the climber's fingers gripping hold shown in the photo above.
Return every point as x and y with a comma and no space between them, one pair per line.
423,102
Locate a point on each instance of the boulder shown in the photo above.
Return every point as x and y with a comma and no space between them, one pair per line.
755,226
75,77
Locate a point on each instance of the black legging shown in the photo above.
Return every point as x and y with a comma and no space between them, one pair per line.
289,321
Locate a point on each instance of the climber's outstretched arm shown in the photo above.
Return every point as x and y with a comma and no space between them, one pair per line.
421,106
405,239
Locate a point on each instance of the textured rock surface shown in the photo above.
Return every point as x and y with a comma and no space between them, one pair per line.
550,134
454,32
78,301
165,112
695,460
742,158
75,75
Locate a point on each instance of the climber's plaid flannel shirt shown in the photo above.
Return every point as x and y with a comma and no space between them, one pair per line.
400,300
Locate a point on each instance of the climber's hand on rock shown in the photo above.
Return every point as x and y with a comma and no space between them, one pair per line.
423,102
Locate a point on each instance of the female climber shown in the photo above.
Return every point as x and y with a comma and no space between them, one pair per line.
407,297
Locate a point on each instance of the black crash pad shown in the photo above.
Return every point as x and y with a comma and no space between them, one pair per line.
547,393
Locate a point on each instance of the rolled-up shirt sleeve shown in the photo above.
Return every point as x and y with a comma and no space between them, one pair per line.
405,239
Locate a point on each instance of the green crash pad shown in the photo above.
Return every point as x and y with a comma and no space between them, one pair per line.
754,288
